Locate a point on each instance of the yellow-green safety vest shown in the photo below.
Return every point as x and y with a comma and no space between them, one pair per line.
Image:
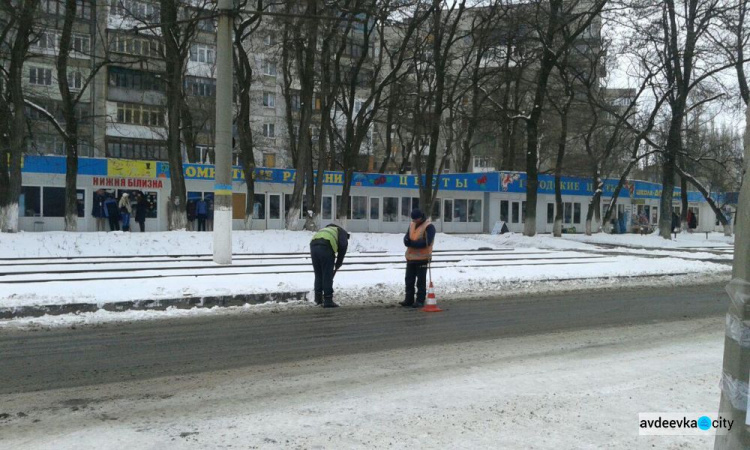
331,234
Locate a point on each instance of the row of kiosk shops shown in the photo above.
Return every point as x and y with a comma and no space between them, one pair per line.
466,203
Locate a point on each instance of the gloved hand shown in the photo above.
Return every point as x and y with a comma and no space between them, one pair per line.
407,241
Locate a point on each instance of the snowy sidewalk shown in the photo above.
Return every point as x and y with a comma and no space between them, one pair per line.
66,272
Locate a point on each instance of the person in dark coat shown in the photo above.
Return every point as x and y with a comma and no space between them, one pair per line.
327,251
141,209
692,221
190,210
418,241
112,211
201,212
675,222
98,209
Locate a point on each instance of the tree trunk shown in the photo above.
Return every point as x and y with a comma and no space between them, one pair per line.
10,187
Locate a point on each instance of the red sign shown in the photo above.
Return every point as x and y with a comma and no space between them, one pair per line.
134,183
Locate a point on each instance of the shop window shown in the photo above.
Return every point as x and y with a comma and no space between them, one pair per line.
448,208
53,202
436,209
460,211
515,212
359,207
390,209
504,210
327,209
30,202
274,206
338,203
577,212
475,211
550,213
374,208
259,206
523,212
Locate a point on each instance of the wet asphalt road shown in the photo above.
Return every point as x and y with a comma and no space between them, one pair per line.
90,355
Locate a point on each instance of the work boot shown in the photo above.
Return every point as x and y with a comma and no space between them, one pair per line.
418,305
328,303
318,298
406,303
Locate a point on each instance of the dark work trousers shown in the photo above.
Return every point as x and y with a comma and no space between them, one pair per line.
114,223
201,222
416,271
323,260
142,224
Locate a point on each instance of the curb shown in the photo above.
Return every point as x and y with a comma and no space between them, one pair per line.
144,305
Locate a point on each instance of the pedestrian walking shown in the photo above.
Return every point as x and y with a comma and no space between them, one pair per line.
201,212
418,241
126,210
112,212
141,209
98,209
327,251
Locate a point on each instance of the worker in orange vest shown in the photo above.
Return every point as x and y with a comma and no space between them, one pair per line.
418,242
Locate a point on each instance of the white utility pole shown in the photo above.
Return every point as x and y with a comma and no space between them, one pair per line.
223,142
736,371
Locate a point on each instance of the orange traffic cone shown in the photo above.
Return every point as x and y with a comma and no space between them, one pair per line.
431,305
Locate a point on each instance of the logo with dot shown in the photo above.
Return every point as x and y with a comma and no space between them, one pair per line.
704,423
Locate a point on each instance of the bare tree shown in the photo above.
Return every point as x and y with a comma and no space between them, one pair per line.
17,31
244,28
179,26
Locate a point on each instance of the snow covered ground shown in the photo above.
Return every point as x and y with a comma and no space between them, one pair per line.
109,267
581,389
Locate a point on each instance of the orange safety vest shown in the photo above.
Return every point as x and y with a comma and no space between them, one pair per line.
415,234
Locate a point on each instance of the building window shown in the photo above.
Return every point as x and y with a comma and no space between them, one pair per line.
515,213
135,79
390,209
202,53
269,159
83,9
359,207
200,86
576,212
136,149
137,9
550,212
138,114
475,210
295,101
448,208
81,44
138,46
270,38
567,213
269,99
268,68
30,204
75,81
327,208
47,40
460,212
374,208
207,25
40,76
269,130
504,210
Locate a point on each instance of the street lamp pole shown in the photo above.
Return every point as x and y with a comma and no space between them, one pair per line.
223,141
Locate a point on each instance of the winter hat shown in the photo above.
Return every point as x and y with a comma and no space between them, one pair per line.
125,194
417,214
